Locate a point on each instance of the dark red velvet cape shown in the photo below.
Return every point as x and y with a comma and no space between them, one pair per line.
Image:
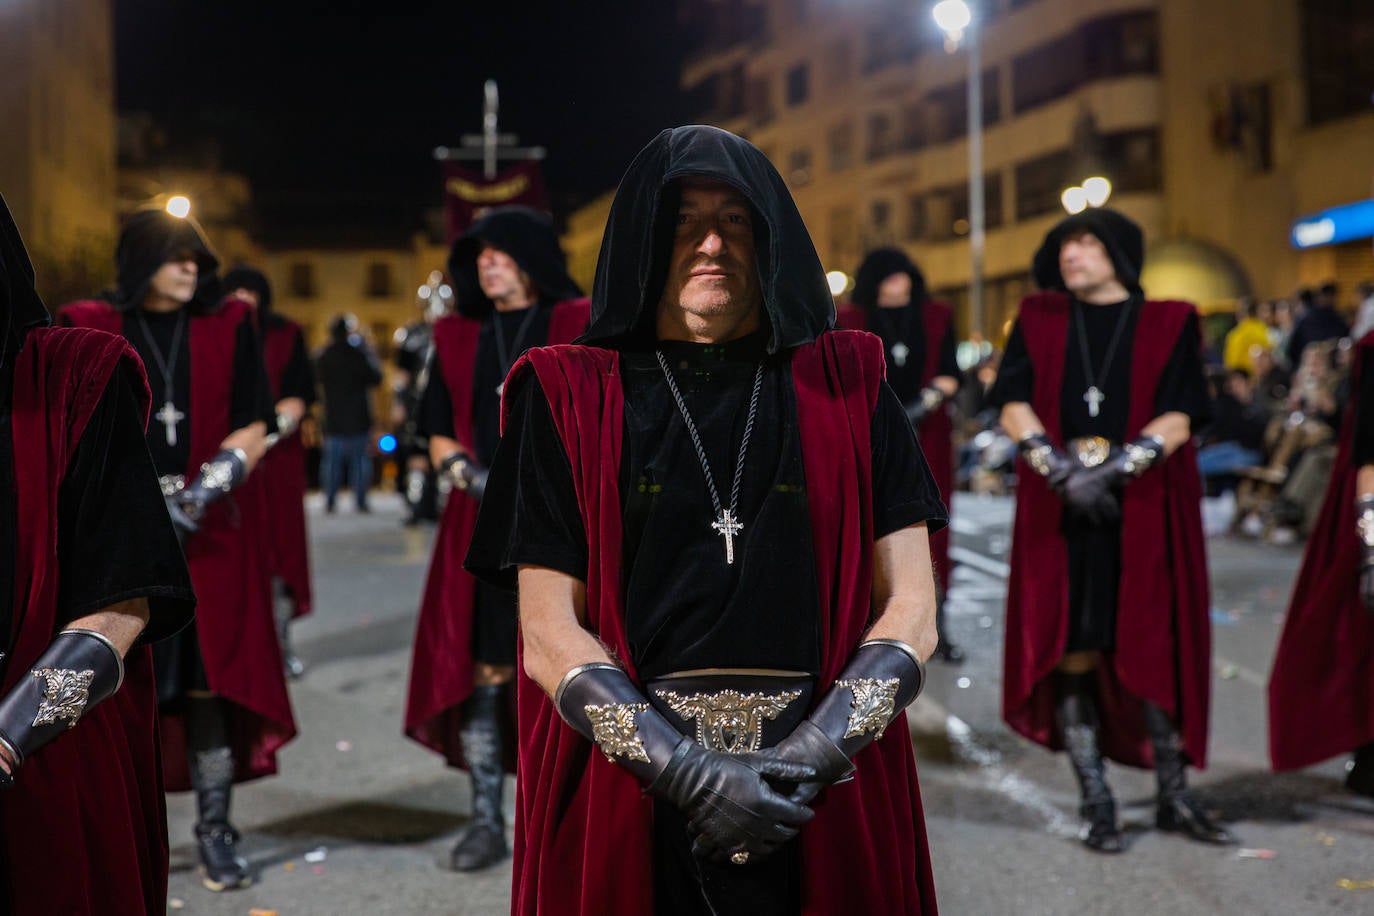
441,664
1163,631
1321,691
936,432
228,560
583,828
85,825
282,473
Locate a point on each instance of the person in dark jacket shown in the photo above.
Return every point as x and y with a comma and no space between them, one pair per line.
347,371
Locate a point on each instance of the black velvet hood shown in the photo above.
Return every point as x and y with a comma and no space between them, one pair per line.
528,236
880,264
245,277
638,242
1123,238
148,239
20,306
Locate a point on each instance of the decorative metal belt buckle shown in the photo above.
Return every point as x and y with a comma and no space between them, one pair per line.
1092,450
733,711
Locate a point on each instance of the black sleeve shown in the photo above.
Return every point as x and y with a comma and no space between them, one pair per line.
1183,384
298,378
251,399
1015,381
1364,410
436,407
115,541
904,492
372,373
529,511
949,360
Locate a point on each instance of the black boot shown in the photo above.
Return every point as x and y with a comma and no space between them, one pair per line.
1360,777
1077,713
1177,811
212,777
946,649
284,609
483,842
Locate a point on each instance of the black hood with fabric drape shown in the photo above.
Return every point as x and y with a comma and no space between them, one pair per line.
20,306
880,264
148,240
250,278
1122,237
638,241
528,236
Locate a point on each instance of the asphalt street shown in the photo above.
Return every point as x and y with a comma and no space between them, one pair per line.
360,820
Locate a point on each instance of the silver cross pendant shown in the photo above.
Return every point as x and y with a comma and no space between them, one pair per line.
728,526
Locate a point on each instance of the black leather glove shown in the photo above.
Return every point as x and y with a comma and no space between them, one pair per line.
1092,492
730,808
218,477
467,475
181,522
1364,522
1046,460
882,678
77,670
926,403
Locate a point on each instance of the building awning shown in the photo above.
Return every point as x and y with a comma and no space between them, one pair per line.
1346,223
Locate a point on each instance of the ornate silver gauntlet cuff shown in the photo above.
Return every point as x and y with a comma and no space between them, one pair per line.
1140,455
1364,520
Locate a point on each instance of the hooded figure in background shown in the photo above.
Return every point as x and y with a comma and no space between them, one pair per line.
513,293
224,706
92,574
1108,648
699,500
282,475
890,299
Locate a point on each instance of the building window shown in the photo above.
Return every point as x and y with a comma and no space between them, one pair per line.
882,136
1113,46
844,235
302,280
1338,66
945,210
914,134
798,84
379,280
1040,182
916,217
879,231
948,108
889,43
1132,160
840,141
799,167
759,100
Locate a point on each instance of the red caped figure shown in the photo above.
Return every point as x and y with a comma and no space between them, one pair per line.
224,710
1108,639
513,292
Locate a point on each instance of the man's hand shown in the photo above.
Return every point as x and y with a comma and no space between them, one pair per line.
1089,492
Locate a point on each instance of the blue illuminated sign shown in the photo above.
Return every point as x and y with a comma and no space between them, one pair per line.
387,444
1331,227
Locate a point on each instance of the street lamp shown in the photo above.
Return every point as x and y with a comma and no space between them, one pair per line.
955,19
179,205
838,282
1093,192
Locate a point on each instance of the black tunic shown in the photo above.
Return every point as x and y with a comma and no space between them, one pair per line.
1364,414
114,540
251,396
906,325
494,611
1094,551
298,376
685,607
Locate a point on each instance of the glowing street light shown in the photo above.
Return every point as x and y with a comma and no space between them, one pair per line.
839,282
952,16
1074,199
179,205
1098,189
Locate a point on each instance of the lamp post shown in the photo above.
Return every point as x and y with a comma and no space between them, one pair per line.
955,19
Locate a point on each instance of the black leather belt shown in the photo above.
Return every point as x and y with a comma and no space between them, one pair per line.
733,710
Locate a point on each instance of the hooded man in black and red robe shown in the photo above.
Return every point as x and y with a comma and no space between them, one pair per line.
1321,693
282,472
513,292
718,515
890,299
92,573
1108,640
224,709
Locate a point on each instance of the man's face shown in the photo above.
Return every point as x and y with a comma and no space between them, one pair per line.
895,291
499,276
176,279
1084,263
246,295
712,272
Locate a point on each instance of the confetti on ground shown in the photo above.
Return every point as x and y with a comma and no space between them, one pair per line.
1229,672
176,903
318,869
963,683
290,866
344,746
1255,854
1350,884
318,854
257,912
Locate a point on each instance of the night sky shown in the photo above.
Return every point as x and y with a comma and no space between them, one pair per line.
332,108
